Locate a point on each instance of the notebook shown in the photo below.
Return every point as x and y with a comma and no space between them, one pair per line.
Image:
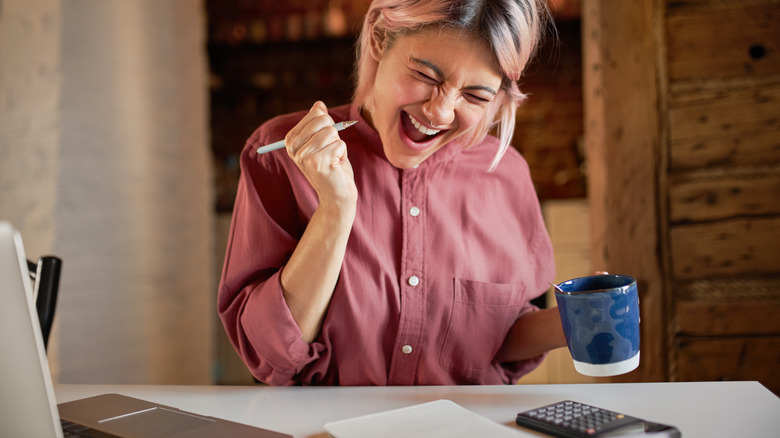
440,418
27,403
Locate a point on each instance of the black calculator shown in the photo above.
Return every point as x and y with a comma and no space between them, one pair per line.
570,419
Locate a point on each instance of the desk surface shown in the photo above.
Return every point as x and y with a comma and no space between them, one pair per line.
707,409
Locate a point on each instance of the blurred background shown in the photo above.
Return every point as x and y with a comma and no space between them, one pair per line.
651,130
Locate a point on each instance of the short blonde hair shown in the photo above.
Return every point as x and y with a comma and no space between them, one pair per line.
512,28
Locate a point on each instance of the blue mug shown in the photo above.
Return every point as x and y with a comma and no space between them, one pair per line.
600,317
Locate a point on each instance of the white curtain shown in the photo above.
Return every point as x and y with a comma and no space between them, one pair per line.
133,198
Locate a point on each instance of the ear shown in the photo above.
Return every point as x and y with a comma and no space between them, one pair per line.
378,38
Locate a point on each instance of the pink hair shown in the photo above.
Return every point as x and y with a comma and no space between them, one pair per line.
512,28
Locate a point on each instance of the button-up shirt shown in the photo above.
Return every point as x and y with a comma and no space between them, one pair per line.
441,261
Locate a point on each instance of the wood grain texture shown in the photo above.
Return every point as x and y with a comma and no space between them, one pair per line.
735,149
702,318
725,113
734,40
745,246
622,140
742,358
712,199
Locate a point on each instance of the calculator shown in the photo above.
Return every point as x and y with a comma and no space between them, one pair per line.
570,419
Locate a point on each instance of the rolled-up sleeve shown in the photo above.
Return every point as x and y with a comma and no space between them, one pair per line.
265,230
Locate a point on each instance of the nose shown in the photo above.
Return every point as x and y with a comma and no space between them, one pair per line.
440,108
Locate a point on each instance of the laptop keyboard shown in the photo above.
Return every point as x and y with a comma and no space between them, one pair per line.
70,429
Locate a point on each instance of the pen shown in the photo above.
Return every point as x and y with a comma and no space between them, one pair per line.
280,144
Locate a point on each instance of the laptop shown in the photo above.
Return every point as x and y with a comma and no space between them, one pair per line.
27,403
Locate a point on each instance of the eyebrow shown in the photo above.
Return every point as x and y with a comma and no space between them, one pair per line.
440,75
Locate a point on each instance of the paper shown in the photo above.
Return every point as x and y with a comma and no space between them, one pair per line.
441,418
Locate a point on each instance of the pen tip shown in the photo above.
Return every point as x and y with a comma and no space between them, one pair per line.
349,123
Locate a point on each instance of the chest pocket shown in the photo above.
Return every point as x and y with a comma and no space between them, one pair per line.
482,314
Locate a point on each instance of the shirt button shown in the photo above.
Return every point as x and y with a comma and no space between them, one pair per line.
406,349
414,211
414,280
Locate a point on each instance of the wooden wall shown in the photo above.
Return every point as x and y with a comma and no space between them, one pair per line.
716,168
723,185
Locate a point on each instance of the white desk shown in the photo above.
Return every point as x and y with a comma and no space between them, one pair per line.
718,409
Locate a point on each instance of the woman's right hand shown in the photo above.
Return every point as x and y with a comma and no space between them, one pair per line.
318,151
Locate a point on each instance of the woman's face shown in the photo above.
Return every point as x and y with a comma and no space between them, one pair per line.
442,77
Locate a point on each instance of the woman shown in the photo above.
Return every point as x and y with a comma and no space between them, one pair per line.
403,250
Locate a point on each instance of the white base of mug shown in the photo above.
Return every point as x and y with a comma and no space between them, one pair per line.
607,369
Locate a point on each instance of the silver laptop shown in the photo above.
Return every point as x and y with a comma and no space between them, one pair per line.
27,403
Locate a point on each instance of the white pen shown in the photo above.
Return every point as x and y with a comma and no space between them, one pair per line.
280,144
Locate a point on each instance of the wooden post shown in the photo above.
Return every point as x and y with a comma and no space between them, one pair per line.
623,138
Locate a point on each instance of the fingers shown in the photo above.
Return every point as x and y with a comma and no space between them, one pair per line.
320,155
314,144
307,130
339,154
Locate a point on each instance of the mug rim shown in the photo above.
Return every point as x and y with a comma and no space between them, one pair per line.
631,281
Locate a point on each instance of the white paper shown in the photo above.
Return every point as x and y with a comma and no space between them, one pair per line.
441,418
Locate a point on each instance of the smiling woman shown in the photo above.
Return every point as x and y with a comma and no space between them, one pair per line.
437,77
508,30
406,249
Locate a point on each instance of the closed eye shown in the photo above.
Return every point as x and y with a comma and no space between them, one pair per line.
478,93
477,99
425,78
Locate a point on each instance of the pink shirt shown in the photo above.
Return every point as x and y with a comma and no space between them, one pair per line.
441,261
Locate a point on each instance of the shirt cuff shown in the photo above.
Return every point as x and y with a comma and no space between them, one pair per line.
274,335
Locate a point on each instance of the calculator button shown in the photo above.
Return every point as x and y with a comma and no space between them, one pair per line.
570,418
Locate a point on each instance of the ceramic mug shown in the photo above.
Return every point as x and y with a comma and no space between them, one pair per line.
600,317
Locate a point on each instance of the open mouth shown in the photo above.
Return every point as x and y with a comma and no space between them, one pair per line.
417,131
420,127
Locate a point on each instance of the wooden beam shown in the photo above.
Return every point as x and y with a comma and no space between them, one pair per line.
623,143
712,113
738,358
712,199
734,247
703,318
730,40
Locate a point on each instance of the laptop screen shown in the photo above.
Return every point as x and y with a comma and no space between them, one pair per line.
27,402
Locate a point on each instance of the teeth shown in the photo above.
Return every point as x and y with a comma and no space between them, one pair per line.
422,128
